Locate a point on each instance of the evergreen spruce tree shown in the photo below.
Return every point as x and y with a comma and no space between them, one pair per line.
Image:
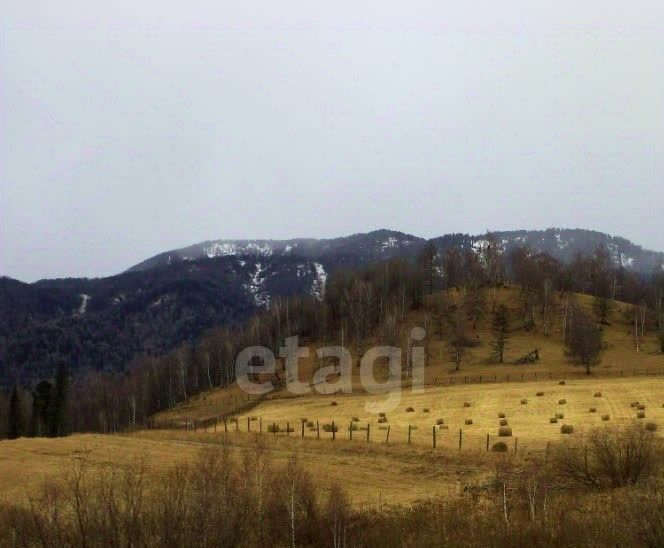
41,407
58,410
15,418
500,331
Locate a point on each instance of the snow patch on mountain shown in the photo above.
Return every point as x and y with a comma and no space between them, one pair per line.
320,282
222,249
84,304
256,287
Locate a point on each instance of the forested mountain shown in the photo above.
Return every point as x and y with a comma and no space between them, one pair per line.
174,297
360,249
354,250
102,323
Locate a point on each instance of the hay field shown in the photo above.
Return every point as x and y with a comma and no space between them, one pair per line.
529,422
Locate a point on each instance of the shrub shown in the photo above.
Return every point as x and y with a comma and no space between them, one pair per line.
562,402
640,415
469,421
425,410
524,401
651,427
409,410
381,414
636,404
356,419
505,432
597,395
610,456
466,404
440,421
304,419
330,428
560,416
503,422
641,407
499,447
540,394
553,420
333,403
605,417
561,383
382,419
501,415
567,429
593,409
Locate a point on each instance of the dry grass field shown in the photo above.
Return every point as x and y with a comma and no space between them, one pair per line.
373,473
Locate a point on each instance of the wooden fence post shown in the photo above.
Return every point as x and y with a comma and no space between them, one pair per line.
433,433
487,442
460,438
350,431
317,430
409,434
387,437
274,428
215,424
248,424
225,425
334,434
302,428
288,428
368,430
260,425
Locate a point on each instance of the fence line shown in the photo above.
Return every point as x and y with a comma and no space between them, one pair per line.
453,380
474,441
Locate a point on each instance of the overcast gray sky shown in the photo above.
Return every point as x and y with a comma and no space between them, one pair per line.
130,128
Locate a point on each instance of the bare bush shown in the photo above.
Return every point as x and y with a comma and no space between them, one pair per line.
609,456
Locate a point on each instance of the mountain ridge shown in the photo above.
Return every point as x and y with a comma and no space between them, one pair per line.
562,243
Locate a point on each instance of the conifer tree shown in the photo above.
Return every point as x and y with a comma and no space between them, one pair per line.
58,411
500,331
15,422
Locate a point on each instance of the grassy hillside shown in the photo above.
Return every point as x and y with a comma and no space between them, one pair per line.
619,358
